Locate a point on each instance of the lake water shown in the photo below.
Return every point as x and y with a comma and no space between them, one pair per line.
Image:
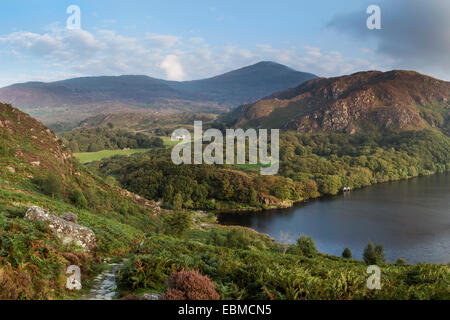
410,218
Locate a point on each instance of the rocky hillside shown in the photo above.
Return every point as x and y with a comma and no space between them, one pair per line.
77,99
29,149
55,213
395,100
34,161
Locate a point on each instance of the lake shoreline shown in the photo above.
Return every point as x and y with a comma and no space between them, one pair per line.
409,217
307,200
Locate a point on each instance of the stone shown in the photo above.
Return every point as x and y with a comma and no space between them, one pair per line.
69,216
66,230
151,296
11,169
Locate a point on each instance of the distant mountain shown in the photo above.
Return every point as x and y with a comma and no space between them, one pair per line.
247,84
79,98
364,101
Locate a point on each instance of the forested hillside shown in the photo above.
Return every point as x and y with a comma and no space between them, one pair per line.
38,170
107,138
310,165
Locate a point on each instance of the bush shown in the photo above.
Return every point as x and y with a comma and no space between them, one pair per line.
238,238
78,199
178,201
178,222
374,254
49,185
400,262
4,150
190,285
347,253
306,246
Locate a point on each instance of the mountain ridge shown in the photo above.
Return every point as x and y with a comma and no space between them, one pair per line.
397,99
80,98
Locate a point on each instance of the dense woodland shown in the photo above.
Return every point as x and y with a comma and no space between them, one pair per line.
108,138
310,165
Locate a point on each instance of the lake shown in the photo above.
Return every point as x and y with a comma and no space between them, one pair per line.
410,218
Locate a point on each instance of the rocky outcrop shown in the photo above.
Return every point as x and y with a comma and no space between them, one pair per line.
68,231
149,204
364,101
271,202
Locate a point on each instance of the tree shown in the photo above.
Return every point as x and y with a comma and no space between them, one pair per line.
400,262
374,254
252,196
178,201
282,191
79,199
226,190
306,246
178,222
347,253
94,147
329,184
200,194
49,185
157,142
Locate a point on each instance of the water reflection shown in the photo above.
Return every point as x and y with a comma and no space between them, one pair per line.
410,218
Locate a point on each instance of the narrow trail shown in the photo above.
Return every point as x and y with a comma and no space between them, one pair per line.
105,284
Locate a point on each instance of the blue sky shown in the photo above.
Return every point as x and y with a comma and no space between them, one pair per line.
184,40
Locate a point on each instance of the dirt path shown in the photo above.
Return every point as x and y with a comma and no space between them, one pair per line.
105,284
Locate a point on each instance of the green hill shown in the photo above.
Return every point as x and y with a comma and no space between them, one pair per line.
366,101
36,169
79,98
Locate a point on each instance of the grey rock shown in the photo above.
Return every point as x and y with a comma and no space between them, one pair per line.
69,216
66,230
151,296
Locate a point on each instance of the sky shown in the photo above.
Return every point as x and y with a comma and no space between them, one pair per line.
187,40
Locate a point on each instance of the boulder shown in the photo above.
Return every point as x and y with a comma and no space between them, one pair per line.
71,217
68,231
151,296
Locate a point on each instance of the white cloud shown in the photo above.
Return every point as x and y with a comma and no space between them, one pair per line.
174,70
313,51
159,40
105,52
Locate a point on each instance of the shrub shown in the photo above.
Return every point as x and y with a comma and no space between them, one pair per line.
178,201
49,185
306,246
4,150
347,253
78,199
190,285
177,223
374,254
238,238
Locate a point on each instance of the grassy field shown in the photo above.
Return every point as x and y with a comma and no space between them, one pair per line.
168,142
86,157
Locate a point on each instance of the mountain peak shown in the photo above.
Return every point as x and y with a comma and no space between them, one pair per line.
74,100
394,100
269,64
